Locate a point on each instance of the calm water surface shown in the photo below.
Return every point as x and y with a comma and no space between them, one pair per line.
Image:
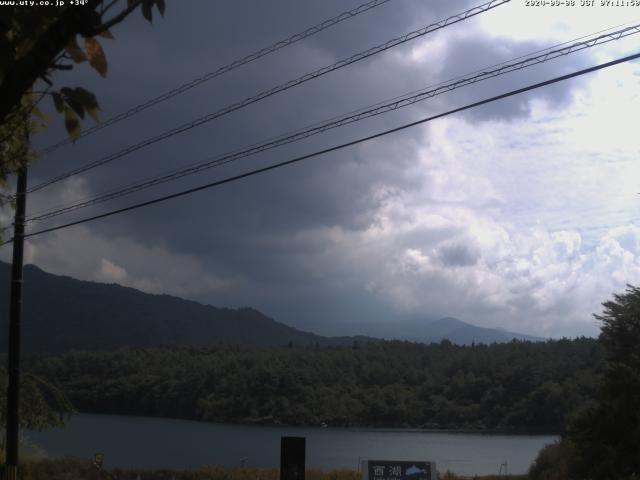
163,443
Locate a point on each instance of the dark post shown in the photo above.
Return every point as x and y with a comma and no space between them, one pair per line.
15,311
292,458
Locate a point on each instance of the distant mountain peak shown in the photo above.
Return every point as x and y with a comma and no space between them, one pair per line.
463,333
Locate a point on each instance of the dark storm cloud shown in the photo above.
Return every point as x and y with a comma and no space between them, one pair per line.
251,228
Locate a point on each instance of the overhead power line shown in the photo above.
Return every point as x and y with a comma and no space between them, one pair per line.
224,69
280,88
334,148
378,109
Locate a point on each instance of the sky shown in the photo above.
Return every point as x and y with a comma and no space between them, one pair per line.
521,214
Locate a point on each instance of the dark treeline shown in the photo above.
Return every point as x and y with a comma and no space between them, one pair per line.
513,386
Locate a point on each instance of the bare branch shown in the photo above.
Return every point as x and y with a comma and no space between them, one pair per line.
57,66
106,8
114,21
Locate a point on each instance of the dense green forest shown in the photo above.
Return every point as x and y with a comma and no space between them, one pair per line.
513,386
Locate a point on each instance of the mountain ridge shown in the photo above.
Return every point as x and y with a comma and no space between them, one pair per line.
57,309
467,333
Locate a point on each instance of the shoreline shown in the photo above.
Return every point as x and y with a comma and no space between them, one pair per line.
462,431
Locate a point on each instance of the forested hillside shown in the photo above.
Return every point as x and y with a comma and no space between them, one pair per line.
512,386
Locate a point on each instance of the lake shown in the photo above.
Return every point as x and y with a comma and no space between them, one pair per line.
166,443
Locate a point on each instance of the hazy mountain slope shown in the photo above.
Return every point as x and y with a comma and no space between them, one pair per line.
463,333
62,313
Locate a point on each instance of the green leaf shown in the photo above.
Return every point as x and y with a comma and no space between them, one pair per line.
88,101
38,113
58,102
93,113
76,53
72,124
146,9
72,101
27,99
161,6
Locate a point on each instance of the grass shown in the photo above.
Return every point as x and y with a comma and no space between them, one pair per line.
78,469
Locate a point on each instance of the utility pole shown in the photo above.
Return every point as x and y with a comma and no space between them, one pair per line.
15,313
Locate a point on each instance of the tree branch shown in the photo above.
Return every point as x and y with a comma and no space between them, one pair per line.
114,21
61,66
105,9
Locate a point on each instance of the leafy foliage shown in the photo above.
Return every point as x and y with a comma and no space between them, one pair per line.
553,462
42,403
607,435
514,386
37,41
602,440
15,149
73,468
